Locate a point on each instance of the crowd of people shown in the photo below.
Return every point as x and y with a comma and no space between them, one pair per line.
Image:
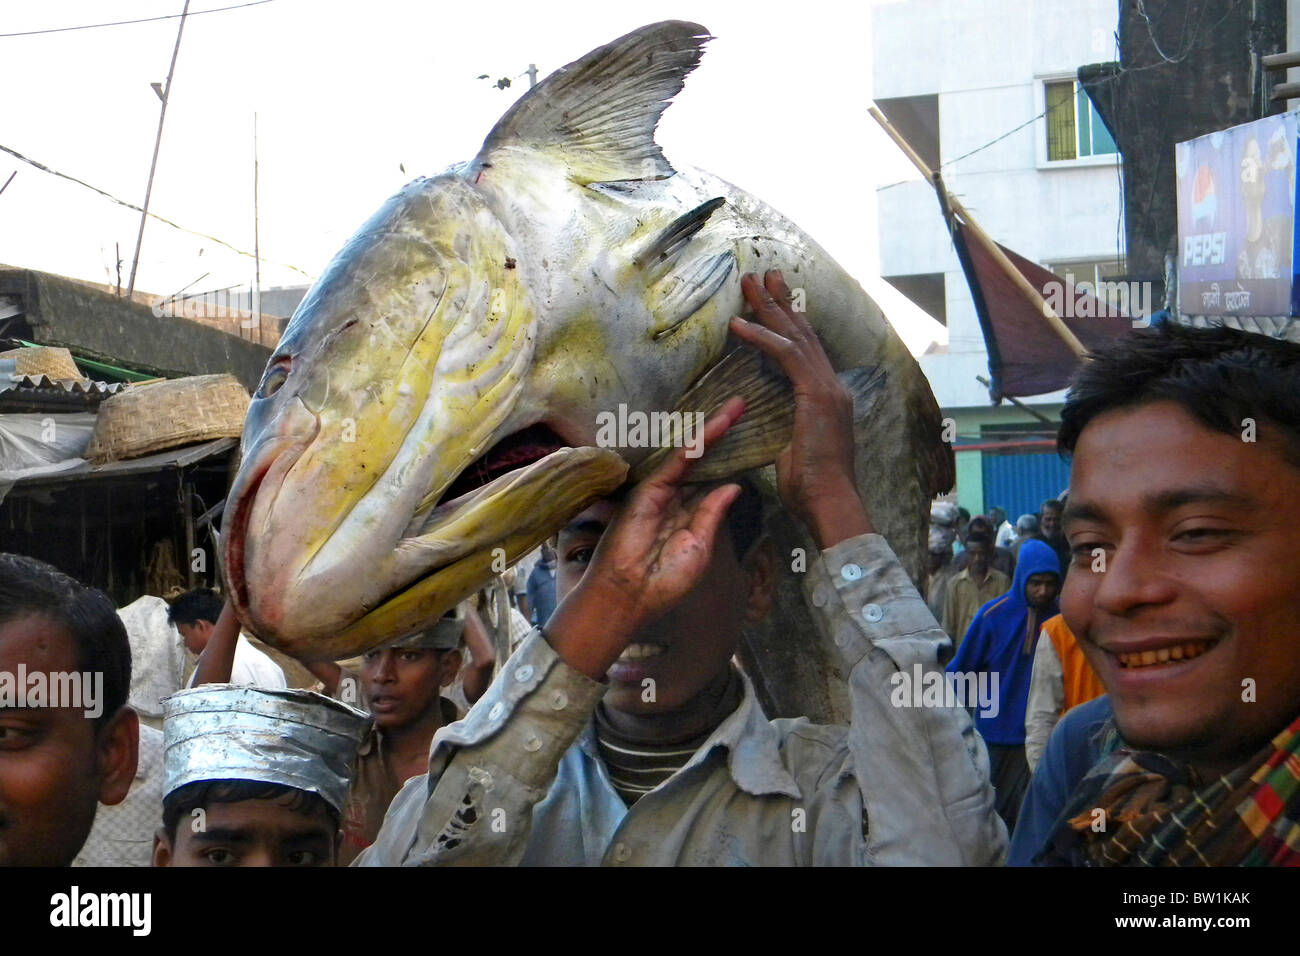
1147,689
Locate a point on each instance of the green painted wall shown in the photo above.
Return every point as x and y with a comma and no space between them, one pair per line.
970,469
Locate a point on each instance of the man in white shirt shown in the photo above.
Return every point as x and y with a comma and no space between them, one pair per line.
195,614
1005,531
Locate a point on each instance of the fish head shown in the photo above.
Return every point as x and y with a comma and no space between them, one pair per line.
375,490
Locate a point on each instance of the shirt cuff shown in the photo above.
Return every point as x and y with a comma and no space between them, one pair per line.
867,599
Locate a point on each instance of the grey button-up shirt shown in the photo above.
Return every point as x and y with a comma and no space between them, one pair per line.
519,779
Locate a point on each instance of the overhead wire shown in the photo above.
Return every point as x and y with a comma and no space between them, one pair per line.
123,23
958,159
130,205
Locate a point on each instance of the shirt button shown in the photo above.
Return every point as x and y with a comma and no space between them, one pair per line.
843,636
524,673
497,710
872,613
560,700
622,853
533,744
821,594
850,572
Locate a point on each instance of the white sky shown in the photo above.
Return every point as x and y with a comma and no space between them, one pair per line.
347,91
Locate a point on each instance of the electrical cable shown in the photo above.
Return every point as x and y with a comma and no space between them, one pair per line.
122,23
977,149
129,205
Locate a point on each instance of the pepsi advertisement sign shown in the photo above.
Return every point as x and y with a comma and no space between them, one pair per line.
1236,220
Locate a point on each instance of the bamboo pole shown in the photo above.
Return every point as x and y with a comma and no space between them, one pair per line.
1034,295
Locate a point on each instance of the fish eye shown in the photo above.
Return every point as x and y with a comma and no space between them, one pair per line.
275,377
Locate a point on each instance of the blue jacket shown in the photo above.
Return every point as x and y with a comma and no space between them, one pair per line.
1001,640
1072,750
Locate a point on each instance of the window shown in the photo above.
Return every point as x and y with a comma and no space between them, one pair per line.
1105,279
1074,127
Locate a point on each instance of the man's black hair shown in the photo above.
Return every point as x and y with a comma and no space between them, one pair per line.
201,604
200,794
31,587
963,514
979,537
1220,376
1051,504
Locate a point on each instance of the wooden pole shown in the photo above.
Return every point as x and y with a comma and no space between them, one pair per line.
1019,404
153,165
257,249
1034,296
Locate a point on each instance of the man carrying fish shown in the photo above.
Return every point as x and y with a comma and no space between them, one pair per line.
622,733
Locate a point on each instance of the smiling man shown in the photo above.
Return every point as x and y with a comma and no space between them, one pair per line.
621,733
1184,597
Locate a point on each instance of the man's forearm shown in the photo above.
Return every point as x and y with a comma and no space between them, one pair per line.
922,769
217,661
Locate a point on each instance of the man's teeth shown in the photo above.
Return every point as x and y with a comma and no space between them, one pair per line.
637,652
1178,652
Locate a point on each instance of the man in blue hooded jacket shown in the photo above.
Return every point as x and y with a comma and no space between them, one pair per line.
1001,640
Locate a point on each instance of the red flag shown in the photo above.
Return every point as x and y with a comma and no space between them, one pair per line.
1026,355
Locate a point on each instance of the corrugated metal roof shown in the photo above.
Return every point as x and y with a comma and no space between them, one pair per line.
71,386
37,393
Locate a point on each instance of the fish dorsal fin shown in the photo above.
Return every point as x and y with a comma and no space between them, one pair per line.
602,109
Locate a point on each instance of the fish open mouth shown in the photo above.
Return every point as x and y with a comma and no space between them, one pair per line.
517,450
499,506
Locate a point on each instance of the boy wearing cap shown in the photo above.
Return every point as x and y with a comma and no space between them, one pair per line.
255,777
400,685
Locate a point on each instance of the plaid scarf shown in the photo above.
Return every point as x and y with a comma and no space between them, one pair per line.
1157,814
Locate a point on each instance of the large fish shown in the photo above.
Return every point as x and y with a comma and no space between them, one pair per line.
434,408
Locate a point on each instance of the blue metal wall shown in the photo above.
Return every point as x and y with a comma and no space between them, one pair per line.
1020,483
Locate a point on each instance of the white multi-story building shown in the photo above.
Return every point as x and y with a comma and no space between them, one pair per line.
986,91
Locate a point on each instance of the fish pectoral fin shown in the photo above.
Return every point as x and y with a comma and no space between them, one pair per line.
601,110
674,237
767,424
682,293
755,440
